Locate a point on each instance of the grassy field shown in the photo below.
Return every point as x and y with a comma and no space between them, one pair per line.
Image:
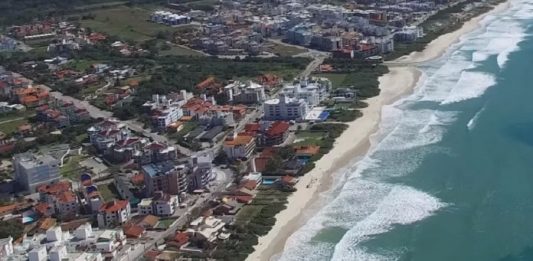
337,79
10,126
286,50
179,50
70,168
130,23
81,65
108,191
165,223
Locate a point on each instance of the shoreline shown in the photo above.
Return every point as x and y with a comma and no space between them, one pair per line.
354,143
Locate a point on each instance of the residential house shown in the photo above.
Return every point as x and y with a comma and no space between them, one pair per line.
59,198
206,228
268,133
113,213
161,204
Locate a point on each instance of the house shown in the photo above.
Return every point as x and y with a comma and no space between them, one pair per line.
148,221
268,133
206,228
161,204
32,96
58,198
305,152
180,239
239,146
113,213
133,231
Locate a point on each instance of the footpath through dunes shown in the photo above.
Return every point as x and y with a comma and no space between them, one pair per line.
351,146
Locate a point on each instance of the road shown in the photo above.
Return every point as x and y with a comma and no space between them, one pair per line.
134,125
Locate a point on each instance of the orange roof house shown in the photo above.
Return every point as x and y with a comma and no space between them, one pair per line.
210,84
269,80
32,96
133,231
306,151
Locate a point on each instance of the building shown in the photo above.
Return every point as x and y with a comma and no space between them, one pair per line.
166,177
6,247
38,254
239,146
206,228
268,133
285,108
60,199
32,170
312,91
114,213
161,204
105,134
245,93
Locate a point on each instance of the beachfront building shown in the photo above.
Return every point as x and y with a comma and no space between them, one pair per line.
285,108
32,170
312,91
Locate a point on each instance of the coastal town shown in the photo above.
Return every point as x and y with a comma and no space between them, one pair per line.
179,130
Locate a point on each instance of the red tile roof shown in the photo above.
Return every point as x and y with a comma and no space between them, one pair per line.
55,188
114,206
42,208
249,184
131,230
181,238
278,128
66,197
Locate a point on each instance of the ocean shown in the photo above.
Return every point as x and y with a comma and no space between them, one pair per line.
449,175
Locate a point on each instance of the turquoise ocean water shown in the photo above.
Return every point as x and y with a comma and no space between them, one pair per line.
450,172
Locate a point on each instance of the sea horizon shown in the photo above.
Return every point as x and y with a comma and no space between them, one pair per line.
431,186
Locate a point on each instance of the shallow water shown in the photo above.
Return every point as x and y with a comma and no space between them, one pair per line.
450,172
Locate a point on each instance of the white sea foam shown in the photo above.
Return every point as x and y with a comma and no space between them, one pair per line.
473,121
402,206
470,85
362,201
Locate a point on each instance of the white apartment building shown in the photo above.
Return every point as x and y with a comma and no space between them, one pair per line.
161,204
313,92
285,108
114,213
245,93
32,170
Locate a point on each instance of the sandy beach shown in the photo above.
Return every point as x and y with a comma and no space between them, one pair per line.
354,142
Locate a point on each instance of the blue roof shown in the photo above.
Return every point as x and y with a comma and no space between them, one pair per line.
158,168
324,115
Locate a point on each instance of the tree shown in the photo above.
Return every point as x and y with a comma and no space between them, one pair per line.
273,165
11,228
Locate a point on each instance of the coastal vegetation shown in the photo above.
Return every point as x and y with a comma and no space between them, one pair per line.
253,221
444,21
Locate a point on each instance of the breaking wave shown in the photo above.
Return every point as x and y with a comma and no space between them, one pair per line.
364,201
